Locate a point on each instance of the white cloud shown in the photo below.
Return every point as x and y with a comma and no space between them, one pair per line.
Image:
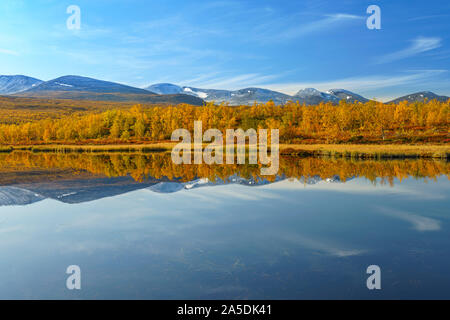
329,21
418,45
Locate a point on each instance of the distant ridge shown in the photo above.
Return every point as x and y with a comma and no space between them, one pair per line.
17,83
248,96
420,97
307,96
83,88
245,96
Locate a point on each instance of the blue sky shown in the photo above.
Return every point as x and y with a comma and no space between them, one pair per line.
280,45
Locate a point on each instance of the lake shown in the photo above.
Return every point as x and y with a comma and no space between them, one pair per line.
140,227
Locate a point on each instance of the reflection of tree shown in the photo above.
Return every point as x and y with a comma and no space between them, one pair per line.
160,165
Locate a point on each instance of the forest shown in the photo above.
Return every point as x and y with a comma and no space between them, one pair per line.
357,123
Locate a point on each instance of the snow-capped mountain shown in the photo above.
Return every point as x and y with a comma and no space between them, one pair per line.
312,96
84,84
420,97
346,95
83,88
15,84
246,96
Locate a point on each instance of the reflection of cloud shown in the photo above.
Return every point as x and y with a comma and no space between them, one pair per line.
359,186
325,247
419,223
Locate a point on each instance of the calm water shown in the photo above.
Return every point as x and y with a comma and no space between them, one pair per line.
138,231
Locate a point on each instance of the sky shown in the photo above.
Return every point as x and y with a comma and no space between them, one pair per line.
283,45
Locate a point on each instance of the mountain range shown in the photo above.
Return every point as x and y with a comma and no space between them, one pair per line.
83,88
308,96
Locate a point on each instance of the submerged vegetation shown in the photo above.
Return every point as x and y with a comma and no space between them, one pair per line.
349,123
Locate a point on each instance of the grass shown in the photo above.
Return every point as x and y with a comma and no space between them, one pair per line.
368,151
144,148
318,150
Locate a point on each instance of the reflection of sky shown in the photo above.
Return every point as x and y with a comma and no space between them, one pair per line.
283,240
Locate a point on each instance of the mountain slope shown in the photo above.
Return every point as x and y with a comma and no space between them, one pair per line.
12,196
311,96
82,88
346,95
15,84
420,97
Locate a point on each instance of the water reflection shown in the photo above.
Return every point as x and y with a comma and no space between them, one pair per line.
141,228
73,178
143,167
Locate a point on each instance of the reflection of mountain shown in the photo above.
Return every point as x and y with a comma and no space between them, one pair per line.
76,178
10,196
85,190
173,186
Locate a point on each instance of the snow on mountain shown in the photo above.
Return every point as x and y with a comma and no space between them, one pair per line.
312,96
196,92
15,84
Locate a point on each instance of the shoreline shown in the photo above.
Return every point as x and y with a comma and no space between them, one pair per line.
357,151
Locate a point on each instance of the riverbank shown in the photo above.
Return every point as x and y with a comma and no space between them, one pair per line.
369,151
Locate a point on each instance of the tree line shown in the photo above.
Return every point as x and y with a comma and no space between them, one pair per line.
371,122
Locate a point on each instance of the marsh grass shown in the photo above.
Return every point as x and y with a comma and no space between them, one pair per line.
368,151
6,149
163,147
352,151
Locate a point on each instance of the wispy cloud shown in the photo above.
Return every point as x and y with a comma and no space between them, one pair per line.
236,82
329,21
418,45
436,16
8,52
